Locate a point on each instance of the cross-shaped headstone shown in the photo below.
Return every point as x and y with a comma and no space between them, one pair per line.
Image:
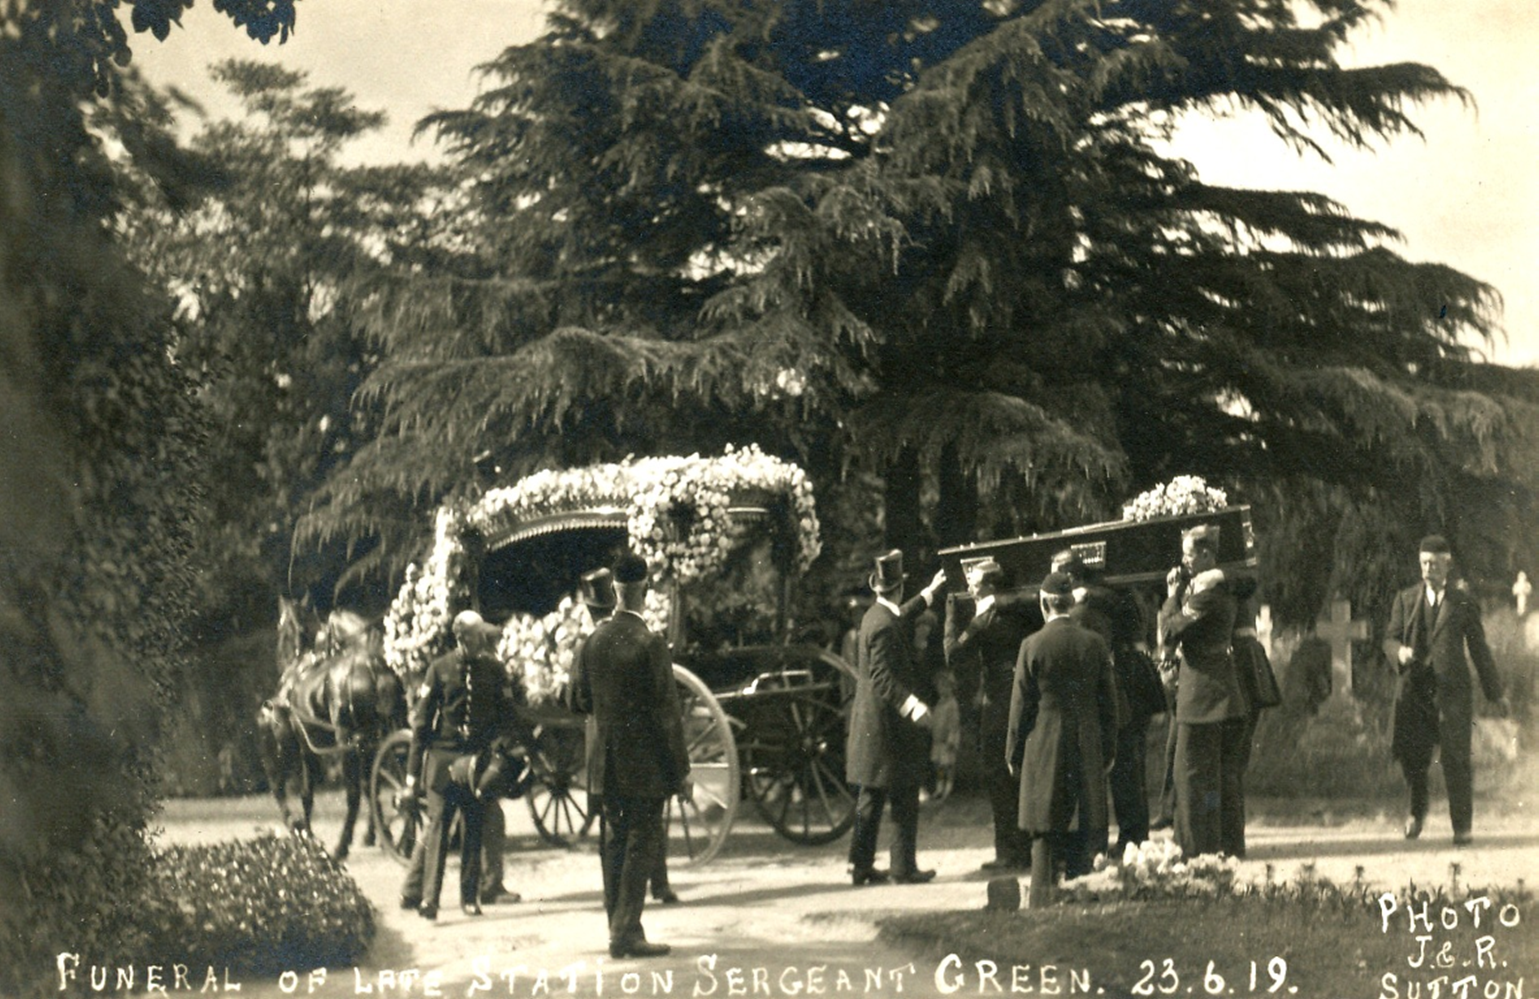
1337,627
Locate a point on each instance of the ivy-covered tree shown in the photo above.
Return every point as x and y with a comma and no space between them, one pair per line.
99,484
946,237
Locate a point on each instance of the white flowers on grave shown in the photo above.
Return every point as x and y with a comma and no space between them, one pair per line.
1183,494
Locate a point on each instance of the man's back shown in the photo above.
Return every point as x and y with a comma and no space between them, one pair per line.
629,678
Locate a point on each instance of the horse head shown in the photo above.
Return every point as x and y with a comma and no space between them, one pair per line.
296,623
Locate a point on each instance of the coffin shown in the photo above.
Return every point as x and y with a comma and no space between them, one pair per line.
1125,551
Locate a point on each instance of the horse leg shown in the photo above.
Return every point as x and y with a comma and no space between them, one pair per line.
277,748
309,776
352,779
365,763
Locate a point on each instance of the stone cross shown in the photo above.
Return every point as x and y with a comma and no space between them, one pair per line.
1337,627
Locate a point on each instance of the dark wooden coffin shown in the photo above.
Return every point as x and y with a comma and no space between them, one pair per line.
1124,551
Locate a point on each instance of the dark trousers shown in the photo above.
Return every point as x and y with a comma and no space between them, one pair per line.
1453,744
1011,844
493,836
1057,855
904,801
659,876
631,840
441,809
1129,785
1210,815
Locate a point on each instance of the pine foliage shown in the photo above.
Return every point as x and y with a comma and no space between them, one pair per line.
934,231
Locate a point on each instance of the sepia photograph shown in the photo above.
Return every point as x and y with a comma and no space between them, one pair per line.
521,498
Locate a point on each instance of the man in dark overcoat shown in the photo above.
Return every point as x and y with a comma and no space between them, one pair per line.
639,759
982,642
463,720
1211,709
888,750
1115,616
1431,627
1061,739
596,589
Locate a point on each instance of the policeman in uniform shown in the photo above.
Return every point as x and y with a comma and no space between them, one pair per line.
464,718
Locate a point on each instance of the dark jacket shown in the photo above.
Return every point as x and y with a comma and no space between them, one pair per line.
981,648
624,676
1437,680
1063,728
884,748
463,706
1201,626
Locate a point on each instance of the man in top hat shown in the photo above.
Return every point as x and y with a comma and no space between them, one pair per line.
1211,716
463,719
597,592
1062,734
888,749
638,759
981,649
1432,626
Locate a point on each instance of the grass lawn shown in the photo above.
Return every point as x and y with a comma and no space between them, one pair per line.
1232,946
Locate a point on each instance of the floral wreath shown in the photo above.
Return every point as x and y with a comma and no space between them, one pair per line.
679,517
1184,494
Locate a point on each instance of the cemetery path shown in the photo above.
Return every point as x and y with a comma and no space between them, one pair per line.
771,918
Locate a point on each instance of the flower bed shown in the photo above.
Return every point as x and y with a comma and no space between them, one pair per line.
678,514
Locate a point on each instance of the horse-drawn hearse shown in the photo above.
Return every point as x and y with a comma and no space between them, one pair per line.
726,538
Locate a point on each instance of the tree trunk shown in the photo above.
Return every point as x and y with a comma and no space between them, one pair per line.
902,525
956,515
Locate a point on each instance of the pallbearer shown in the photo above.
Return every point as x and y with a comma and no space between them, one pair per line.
1212,726
982,642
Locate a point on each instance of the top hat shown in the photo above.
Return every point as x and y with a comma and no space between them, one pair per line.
889,573
597,588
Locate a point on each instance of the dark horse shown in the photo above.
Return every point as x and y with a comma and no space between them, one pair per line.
336,697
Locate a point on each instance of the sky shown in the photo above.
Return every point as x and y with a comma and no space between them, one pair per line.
1467,194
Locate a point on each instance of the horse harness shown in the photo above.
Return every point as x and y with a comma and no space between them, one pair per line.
303,695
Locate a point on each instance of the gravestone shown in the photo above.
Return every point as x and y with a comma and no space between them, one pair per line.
1337,627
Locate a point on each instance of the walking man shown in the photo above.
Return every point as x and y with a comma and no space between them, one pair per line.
889,748
639,759
1432,626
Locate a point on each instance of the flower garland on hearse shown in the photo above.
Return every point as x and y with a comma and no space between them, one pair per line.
679,518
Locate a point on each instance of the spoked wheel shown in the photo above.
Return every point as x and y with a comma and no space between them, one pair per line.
398,824
558,795
697,824
794,758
